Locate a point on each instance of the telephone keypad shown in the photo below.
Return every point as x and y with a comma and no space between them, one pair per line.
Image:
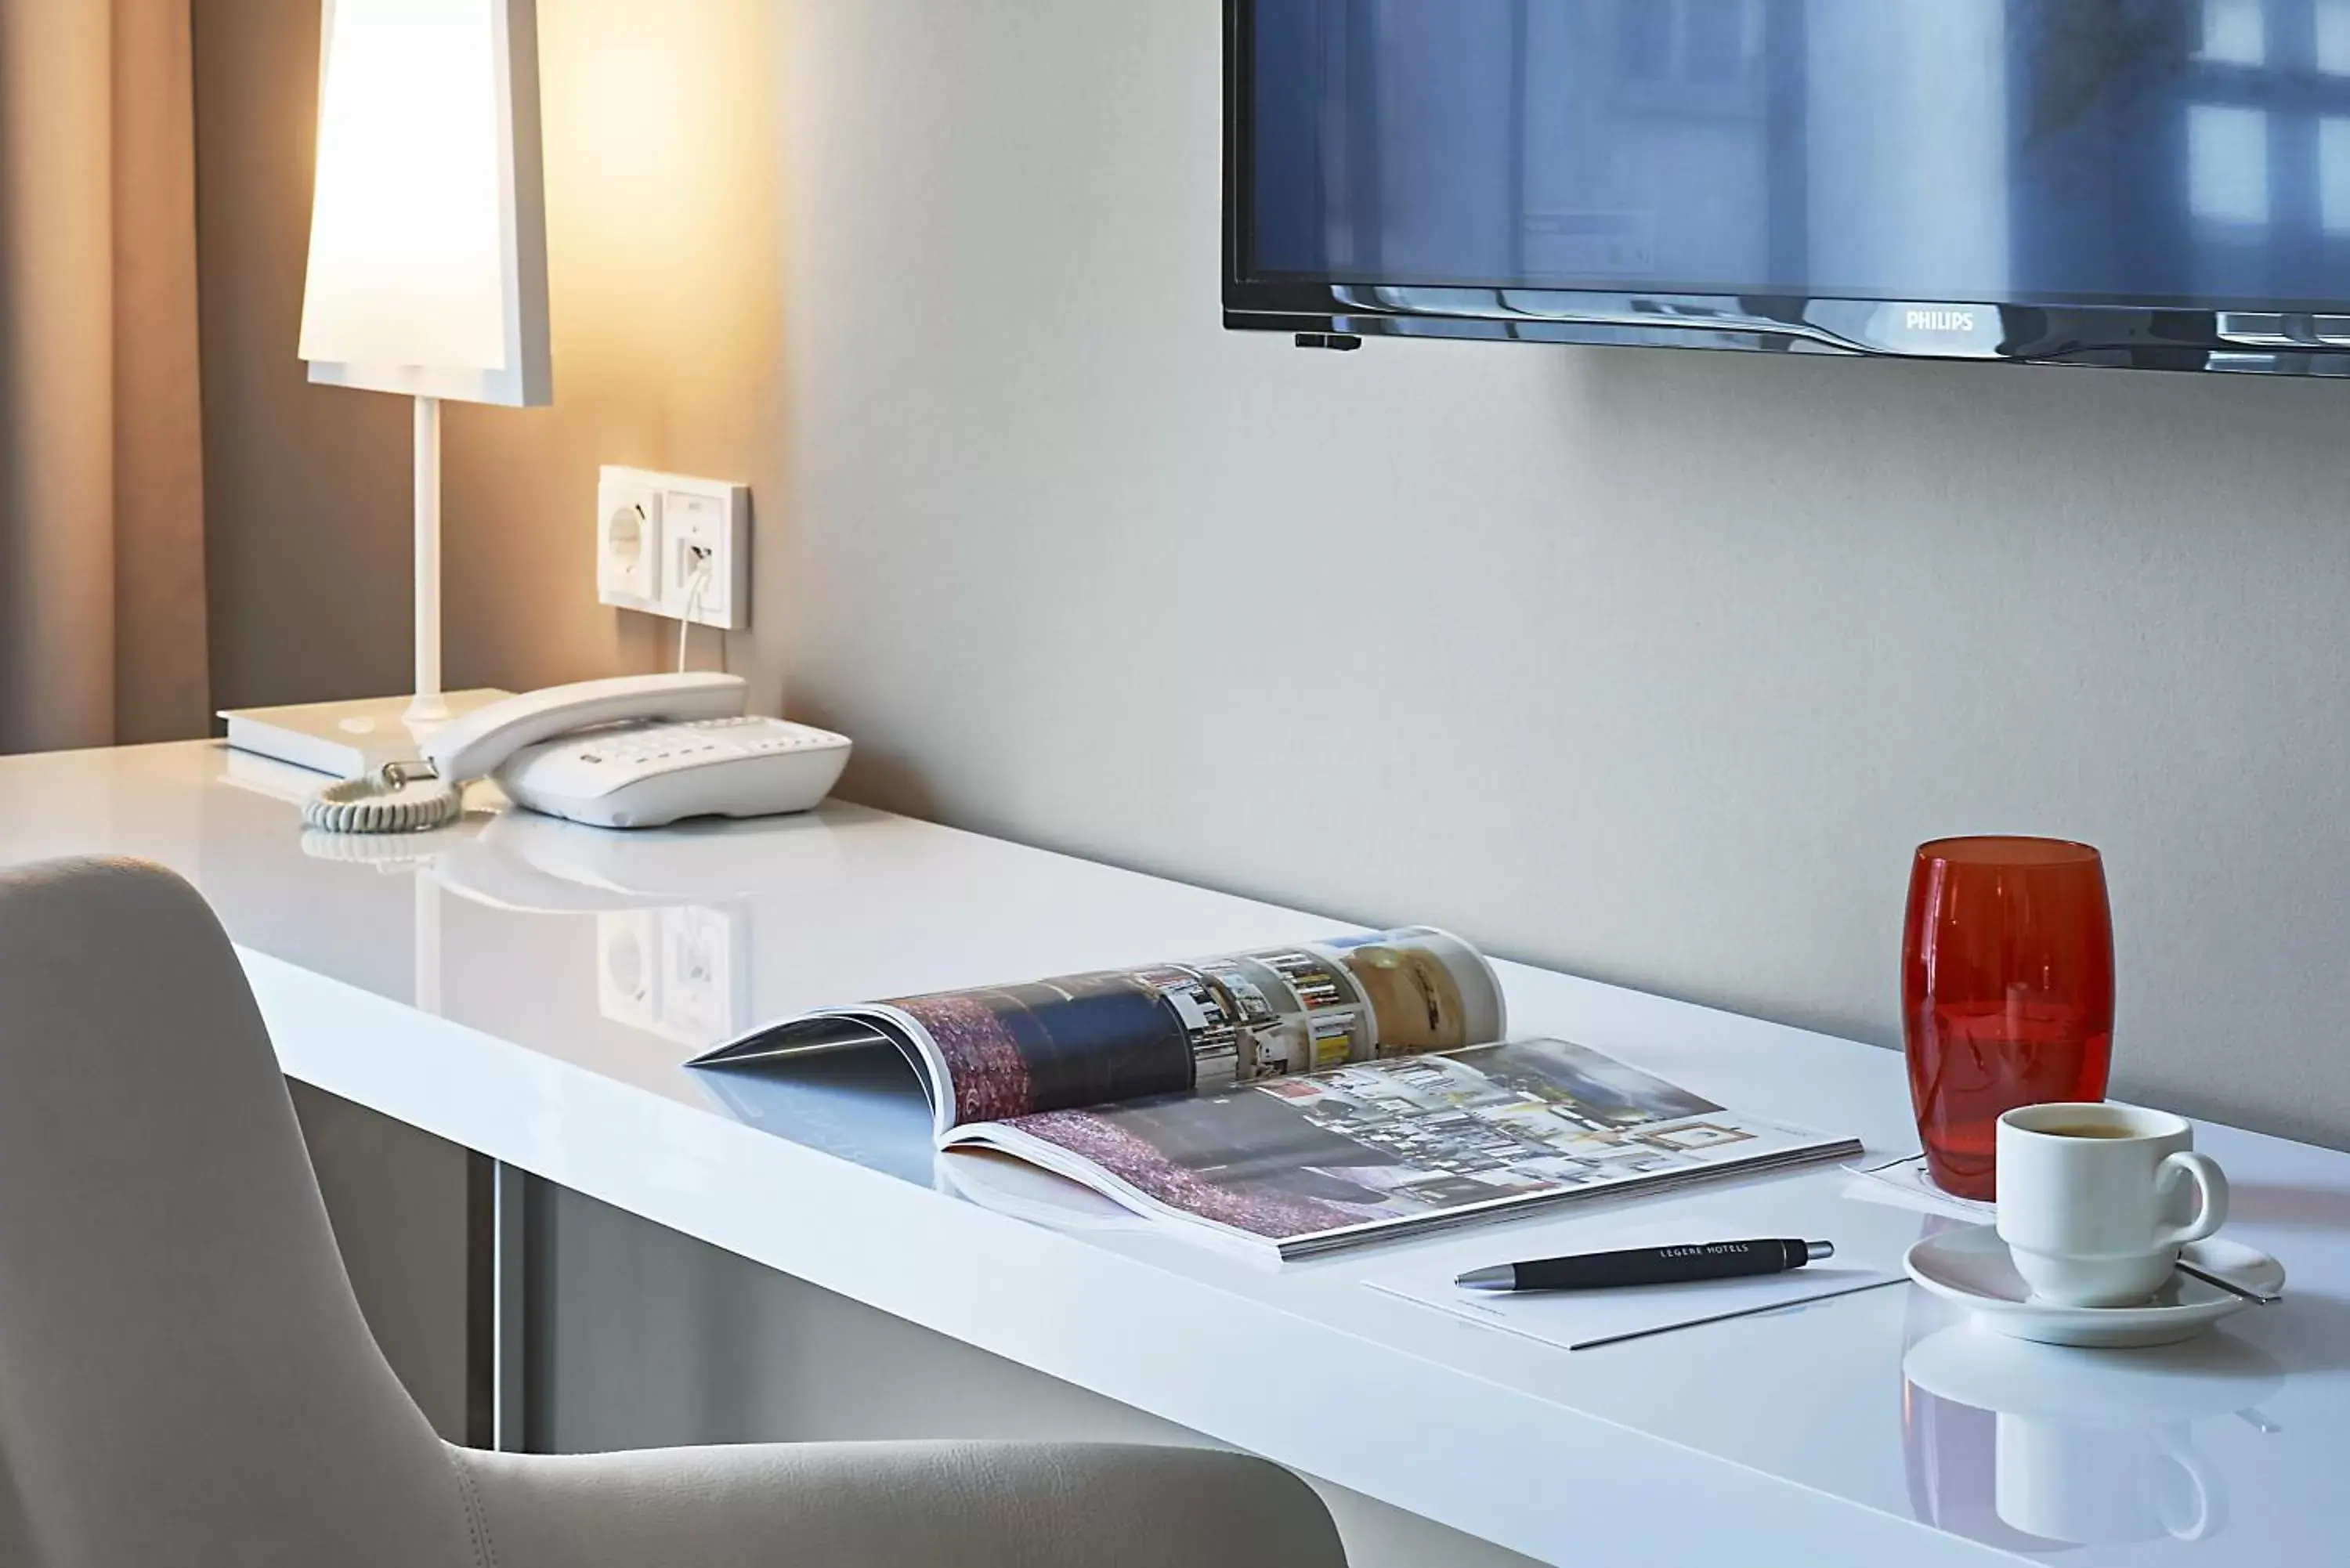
651,772
707,738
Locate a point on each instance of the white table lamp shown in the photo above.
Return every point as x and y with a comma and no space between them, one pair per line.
428,235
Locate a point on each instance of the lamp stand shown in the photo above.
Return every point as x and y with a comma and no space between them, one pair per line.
346,739
426,708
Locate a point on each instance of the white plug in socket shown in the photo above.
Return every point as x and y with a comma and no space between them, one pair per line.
692,558
706,553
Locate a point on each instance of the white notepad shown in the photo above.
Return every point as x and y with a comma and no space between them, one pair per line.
1570,1319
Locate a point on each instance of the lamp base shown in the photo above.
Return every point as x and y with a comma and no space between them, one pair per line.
427,713
347,739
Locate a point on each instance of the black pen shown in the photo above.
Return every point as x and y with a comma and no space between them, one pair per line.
1650,1266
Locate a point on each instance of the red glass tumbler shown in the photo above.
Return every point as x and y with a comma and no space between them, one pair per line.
2007,992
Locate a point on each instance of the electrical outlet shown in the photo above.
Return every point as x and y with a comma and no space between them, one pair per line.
706,552
690,558
627,539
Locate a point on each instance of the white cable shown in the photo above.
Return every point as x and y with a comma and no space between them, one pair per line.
692,602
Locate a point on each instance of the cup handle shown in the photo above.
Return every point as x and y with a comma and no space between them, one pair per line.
2211,1192
2209,1516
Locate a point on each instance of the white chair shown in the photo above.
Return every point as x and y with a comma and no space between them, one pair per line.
185,1380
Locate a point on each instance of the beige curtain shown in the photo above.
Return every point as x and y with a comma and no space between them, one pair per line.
101,448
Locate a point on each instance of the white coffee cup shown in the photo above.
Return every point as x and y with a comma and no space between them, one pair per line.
2105,1486
2093,1200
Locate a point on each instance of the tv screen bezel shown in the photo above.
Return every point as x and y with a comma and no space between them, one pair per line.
2288,342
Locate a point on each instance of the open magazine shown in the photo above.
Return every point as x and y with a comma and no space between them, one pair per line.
1292,1099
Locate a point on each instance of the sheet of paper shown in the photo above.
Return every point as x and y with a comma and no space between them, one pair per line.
1909,1186
1571,1318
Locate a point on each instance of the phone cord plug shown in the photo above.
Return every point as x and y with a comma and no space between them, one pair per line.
404,797
698,586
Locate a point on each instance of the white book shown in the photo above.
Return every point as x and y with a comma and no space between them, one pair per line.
344,739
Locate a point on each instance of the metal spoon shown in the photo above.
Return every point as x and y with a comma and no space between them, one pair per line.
2258,1298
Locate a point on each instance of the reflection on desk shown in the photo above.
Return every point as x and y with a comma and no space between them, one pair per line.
2039,1448
672,913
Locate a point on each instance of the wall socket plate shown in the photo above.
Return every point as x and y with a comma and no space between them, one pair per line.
681,972
628,540
674,546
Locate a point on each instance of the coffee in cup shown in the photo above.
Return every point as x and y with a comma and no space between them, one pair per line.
2095,1200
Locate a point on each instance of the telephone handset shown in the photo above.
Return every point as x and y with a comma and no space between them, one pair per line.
637,751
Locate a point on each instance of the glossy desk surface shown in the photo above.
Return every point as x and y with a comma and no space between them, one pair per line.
529,989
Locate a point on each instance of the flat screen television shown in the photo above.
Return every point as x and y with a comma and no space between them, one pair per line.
2155,183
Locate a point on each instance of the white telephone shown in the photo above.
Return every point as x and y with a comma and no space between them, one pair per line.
638,751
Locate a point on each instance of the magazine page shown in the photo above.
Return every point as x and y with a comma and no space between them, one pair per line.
994,1053
1304,1165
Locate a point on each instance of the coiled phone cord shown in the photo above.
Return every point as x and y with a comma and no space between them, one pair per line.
400,798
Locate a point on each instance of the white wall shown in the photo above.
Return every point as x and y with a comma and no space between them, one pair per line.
1652,666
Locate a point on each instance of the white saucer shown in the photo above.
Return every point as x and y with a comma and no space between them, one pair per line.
1971,1268
2180,1385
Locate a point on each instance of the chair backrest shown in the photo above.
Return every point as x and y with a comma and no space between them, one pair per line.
184,1374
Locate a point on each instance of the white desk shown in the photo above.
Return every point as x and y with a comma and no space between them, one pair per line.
488,985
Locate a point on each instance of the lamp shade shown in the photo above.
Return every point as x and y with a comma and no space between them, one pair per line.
428,230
